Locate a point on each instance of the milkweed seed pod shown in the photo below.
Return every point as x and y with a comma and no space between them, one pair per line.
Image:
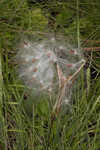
38,61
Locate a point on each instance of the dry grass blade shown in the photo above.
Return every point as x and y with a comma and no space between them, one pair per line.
1,80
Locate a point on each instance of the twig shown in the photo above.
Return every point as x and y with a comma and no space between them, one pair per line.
91,49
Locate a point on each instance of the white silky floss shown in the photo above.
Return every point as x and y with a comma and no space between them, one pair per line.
37,62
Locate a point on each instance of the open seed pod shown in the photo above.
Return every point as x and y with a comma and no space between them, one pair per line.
46,64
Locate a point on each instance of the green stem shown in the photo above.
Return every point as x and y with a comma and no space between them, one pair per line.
78,26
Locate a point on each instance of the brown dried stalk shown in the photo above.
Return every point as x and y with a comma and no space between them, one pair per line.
57,106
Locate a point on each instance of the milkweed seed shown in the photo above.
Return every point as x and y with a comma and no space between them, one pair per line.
34,60
35,70
69,65
72,51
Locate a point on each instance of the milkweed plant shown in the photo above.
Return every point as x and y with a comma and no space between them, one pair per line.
48,64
